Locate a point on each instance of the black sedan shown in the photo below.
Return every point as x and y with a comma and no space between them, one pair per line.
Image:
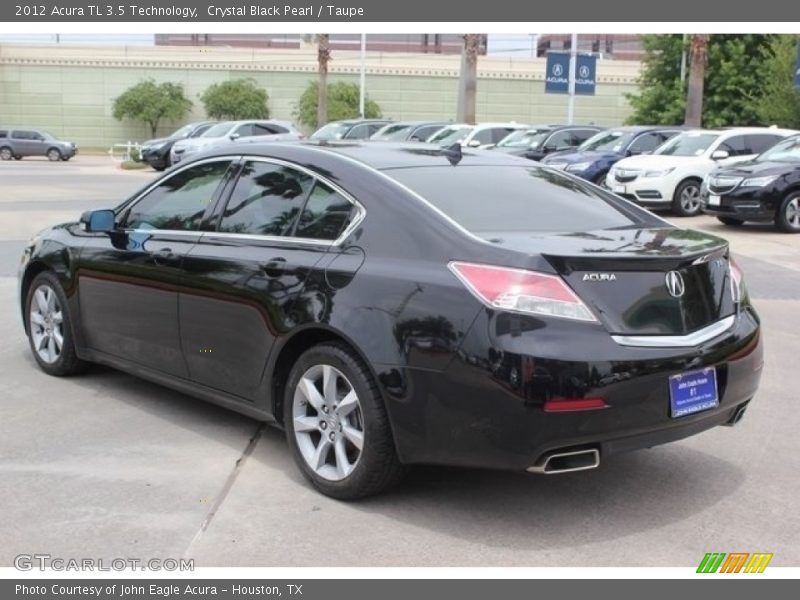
766,189
393,305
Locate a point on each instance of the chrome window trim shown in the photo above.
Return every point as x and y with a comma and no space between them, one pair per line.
677,341
359,217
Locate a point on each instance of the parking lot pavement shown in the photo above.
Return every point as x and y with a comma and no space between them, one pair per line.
106,465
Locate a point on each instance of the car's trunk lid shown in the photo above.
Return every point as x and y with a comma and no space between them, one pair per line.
631,278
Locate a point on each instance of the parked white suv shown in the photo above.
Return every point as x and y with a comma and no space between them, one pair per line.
672,176
234,131
475,136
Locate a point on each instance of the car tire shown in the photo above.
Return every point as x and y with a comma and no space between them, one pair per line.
6,153
54,155
730,221
686,199
324,430
18,157
66,158
787,217
47,319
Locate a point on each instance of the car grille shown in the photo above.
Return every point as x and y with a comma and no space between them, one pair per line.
625,175
722,185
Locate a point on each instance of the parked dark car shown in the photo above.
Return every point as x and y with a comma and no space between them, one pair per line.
350,129
369,299
593,159
408,131
156,152
766,189
539,141
19,142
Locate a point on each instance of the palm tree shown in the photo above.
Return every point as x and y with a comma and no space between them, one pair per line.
698,55
323,57
468,78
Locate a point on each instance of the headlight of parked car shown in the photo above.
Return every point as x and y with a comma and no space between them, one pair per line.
657,172
759,181
577,167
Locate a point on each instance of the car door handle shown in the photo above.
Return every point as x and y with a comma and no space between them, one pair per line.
163,256
275,267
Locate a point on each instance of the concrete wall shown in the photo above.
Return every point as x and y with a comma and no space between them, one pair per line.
69,90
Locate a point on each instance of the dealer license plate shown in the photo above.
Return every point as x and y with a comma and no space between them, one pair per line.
693,392
713,200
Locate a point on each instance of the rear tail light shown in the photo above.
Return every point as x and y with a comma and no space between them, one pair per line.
737,281
522,291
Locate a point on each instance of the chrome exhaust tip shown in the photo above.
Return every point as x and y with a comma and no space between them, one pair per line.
738,415
566,462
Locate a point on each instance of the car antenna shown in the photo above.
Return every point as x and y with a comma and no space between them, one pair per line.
453,153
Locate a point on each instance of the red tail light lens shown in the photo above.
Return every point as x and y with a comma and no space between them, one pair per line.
522,291
574,404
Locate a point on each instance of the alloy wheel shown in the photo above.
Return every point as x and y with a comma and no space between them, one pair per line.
47,324
793,213
53,155
6,154
690,199
328,422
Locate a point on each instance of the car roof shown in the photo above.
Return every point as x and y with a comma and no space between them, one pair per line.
388,155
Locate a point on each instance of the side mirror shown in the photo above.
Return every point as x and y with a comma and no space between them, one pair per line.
234,136
474,143
720,155
99,220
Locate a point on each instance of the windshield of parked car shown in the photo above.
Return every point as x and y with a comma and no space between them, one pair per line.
607,141
331,131
183,131
524,138
692,143
219,130
392,132
454,137
491,199
785,151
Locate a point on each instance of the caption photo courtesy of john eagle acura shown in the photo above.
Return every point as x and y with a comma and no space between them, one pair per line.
402,304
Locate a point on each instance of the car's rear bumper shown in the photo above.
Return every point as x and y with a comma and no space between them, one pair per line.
487,408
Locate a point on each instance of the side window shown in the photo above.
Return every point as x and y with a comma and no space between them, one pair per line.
735,146
558,140
21,134
325,215
266,200
373,127
423,133
358,132
244,130
581,135
760,142
3,134
180,201
484,136
646,143
259,129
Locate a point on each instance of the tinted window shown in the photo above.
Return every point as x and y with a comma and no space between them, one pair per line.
646,143
180,201
558,140
373,127
325,215
581,135
423,133
21,134
261,129
500,133
359,132
266,200
607,141
758,143
3,134
735,146
244,130
494,199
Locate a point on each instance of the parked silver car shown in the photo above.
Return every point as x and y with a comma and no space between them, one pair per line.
235,131
18,142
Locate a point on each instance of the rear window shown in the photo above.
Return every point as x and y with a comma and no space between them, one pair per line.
492,199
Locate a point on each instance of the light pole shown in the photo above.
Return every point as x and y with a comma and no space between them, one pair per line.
573,59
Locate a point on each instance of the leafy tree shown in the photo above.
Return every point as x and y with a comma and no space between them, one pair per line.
778,101
236,99
734,73
151,102
343,100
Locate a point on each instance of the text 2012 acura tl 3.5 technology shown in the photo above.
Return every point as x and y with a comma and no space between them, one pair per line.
390,305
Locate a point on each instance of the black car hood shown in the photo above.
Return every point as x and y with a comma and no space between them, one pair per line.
756,167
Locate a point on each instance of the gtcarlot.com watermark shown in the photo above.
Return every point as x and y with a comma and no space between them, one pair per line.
44,562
